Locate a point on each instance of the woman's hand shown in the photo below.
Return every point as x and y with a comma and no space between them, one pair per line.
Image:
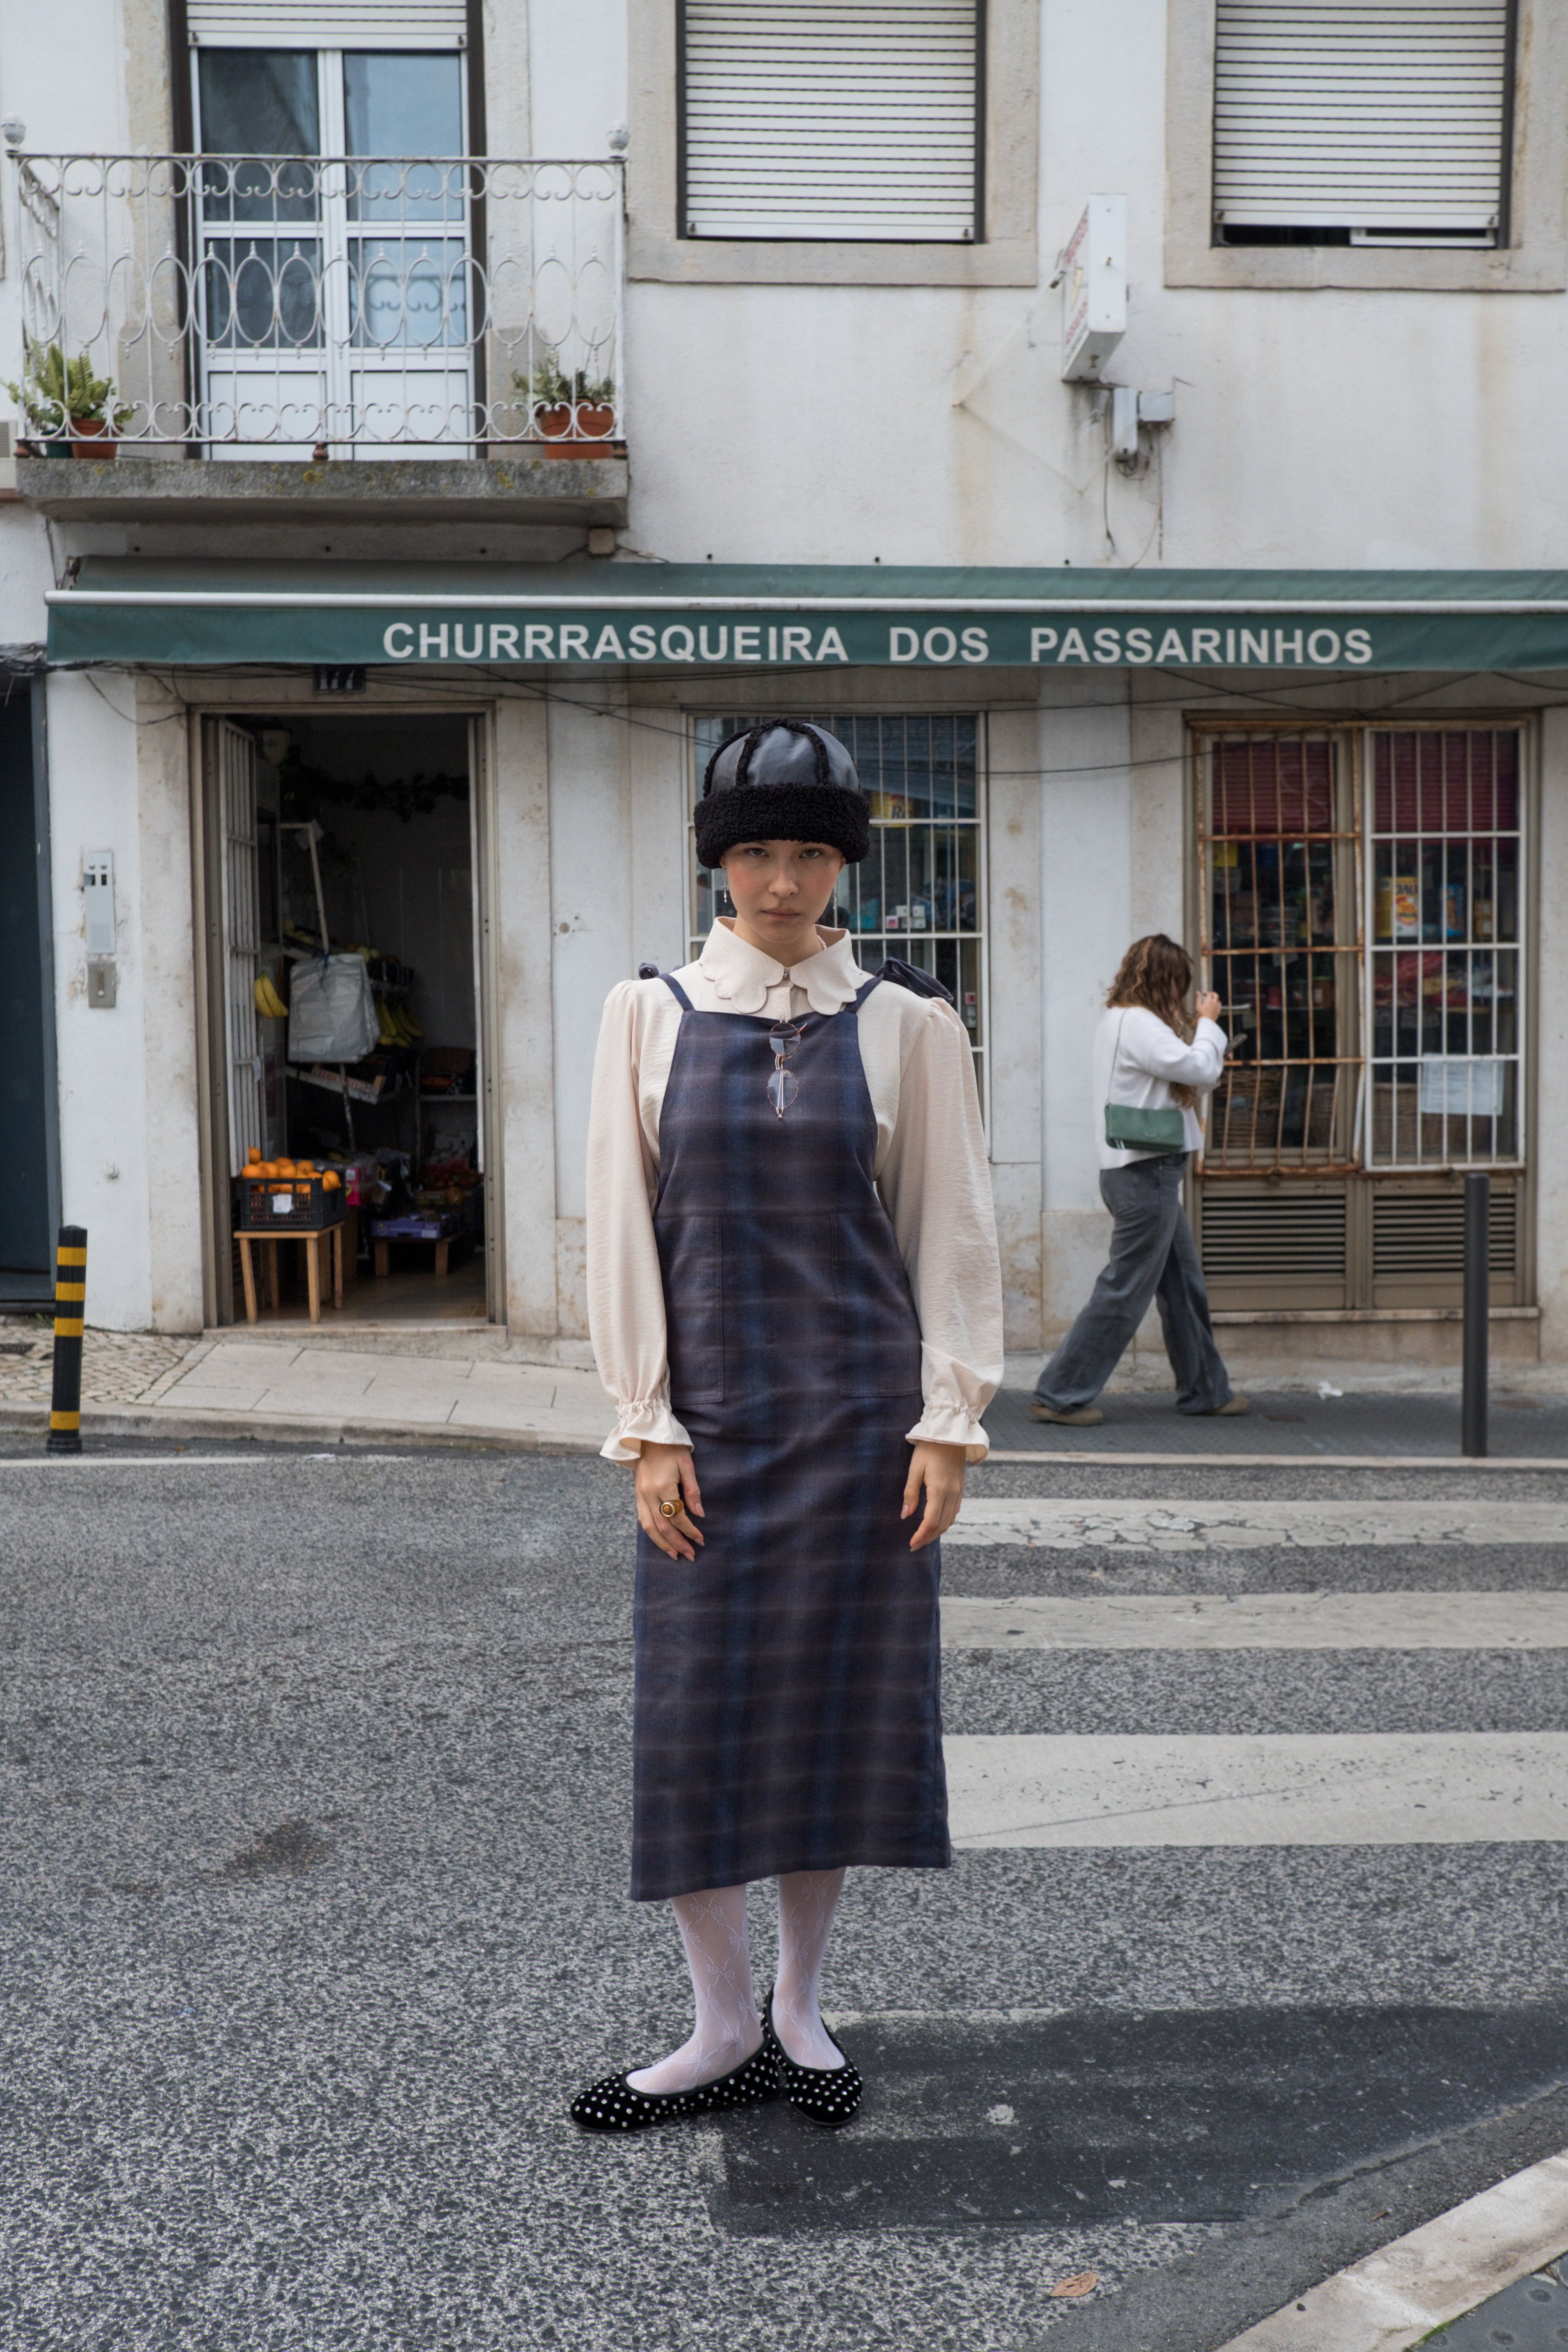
939,1469
1206,1004
667,1474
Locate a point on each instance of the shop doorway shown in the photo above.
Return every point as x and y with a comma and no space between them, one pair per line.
343,993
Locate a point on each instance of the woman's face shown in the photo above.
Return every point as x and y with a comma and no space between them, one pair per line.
781,887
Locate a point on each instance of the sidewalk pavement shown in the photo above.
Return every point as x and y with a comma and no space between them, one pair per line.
134,1385
435,1387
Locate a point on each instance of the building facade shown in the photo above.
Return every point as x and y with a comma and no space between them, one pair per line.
1131,424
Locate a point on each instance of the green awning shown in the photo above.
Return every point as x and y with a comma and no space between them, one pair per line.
696,616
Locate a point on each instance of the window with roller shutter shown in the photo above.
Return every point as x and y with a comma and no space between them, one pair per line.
829,120
1362,121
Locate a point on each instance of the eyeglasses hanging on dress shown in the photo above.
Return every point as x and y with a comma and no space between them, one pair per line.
782,1085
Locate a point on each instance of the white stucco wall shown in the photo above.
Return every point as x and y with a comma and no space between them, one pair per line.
130,1155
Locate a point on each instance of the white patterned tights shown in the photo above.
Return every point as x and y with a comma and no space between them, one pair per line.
713,1930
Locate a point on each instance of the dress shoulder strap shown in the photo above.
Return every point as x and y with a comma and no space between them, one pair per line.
675,990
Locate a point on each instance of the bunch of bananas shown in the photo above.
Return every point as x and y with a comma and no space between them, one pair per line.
398,1025
268,1003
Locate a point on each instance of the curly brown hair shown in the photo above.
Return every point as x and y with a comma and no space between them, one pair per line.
1156,973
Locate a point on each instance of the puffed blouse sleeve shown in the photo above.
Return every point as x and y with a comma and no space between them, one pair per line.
625,1295
936,1183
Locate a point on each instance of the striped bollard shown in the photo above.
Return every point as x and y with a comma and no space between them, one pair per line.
71,1300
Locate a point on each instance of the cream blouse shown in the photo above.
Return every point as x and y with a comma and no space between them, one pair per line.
930,1171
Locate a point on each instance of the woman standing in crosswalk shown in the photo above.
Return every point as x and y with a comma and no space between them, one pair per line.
796,1302
1152,1068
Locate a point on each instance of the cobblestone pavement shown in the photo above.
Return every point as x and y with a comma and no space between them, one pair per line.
117,1366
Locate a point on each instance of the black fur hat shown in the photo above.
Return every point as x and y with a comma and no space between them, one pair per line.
782,780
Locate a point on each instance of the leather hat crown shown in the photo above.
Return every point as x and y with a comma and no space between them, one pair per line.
782,780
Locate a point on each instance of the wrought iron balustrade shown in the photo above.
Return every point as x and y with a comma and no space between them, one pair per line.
292,306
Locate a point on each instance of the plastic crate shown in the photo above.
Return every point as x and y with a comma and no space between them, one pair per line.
286,1204
424,1225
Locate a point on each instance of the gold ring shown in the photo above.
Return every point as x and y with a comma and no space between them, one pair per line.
670,1510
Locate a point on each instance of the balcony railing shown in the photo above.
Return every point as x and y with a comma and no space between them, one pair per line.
306,306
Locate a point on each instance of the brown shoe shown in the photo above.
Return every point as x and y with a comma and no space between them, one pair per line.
1084,1416
1234,1409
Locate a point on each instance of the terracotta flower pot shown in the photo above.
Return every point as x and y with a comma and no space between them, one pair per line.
92,436
565,424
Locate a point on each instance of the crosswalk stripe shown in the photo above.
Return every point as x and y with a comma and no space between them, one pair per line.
1055,1524
1275,1789
1259,1620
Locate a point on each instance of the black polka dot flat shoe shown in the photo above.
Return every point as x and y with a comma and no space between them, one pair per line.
828,2095
613,2105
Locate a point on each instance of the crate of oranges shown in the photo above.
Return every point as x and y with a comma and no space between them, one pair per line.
283,1196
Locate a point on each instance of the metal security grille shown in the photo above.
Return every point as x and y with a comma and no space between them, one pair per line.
920,893
831,119
1378,121
1445,972
1276,857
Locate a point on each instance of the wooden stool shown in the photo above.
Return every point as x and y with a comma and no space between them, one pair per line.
311,1243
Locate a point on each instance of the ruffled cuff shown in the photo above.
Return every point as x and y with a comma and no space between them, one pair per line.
951,1424
648,1422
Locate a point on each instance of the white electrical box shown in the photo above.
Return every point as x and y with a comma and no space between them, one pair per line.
98,900
1094,288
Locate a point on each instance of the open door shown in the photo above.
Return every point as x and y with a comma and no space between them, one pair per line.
487,1000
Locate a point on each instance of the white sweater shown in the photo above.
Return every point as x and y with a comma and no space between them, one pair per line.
1149,1061
930,1171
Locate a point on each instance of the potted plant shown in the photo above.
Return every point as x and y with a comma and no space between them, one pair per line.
562,408
69,410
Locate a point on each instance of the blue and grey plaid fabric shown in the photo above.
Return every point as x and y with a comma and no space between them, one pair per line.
788,1699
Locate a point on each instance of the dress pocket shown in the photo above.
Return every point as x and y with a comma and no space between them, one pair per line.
691,1261
879,1332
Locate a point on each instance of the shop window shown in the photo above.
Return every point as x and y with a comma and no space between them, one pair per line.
1444,970
920,893
1278,862
1362,897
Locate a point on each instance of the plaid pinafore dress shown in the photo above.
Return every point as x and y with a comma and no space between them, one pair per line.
788,1680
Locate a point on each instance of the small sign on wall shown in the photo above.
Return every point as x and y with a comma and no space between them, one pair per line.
338,678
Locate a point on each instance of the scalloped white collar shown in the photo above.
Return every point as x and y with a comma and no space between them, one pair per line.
742,975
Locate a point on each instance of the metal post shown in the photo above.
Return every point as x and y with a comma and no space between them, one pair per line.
1477,1305
71,1301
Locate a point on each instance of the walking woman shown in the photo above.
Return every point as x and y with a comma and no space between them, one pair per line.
1149,1062
796,1304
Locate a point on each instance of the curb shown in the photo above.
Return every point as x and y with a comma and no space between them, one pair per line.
1393,2298
1107,1461
190,1422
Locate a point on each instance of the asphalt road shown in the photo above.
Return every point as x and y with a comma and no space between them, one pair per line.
314,1815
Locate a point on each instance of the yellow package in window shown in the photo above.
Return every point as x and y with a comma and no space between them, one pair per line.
1399,908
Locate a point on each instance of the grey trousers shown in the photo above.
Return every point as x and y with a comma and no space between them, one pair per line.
1152,1255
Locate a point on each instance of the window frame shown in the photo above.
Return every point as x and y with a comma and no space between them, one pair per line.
1517,1161
1534,260
346,355
1004,252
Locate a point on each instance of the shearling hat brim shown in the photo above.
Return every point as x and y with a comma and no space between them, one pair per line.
783,812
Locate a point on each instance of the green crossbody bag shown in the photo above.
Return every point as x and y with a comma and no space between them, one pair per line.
1135,1126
